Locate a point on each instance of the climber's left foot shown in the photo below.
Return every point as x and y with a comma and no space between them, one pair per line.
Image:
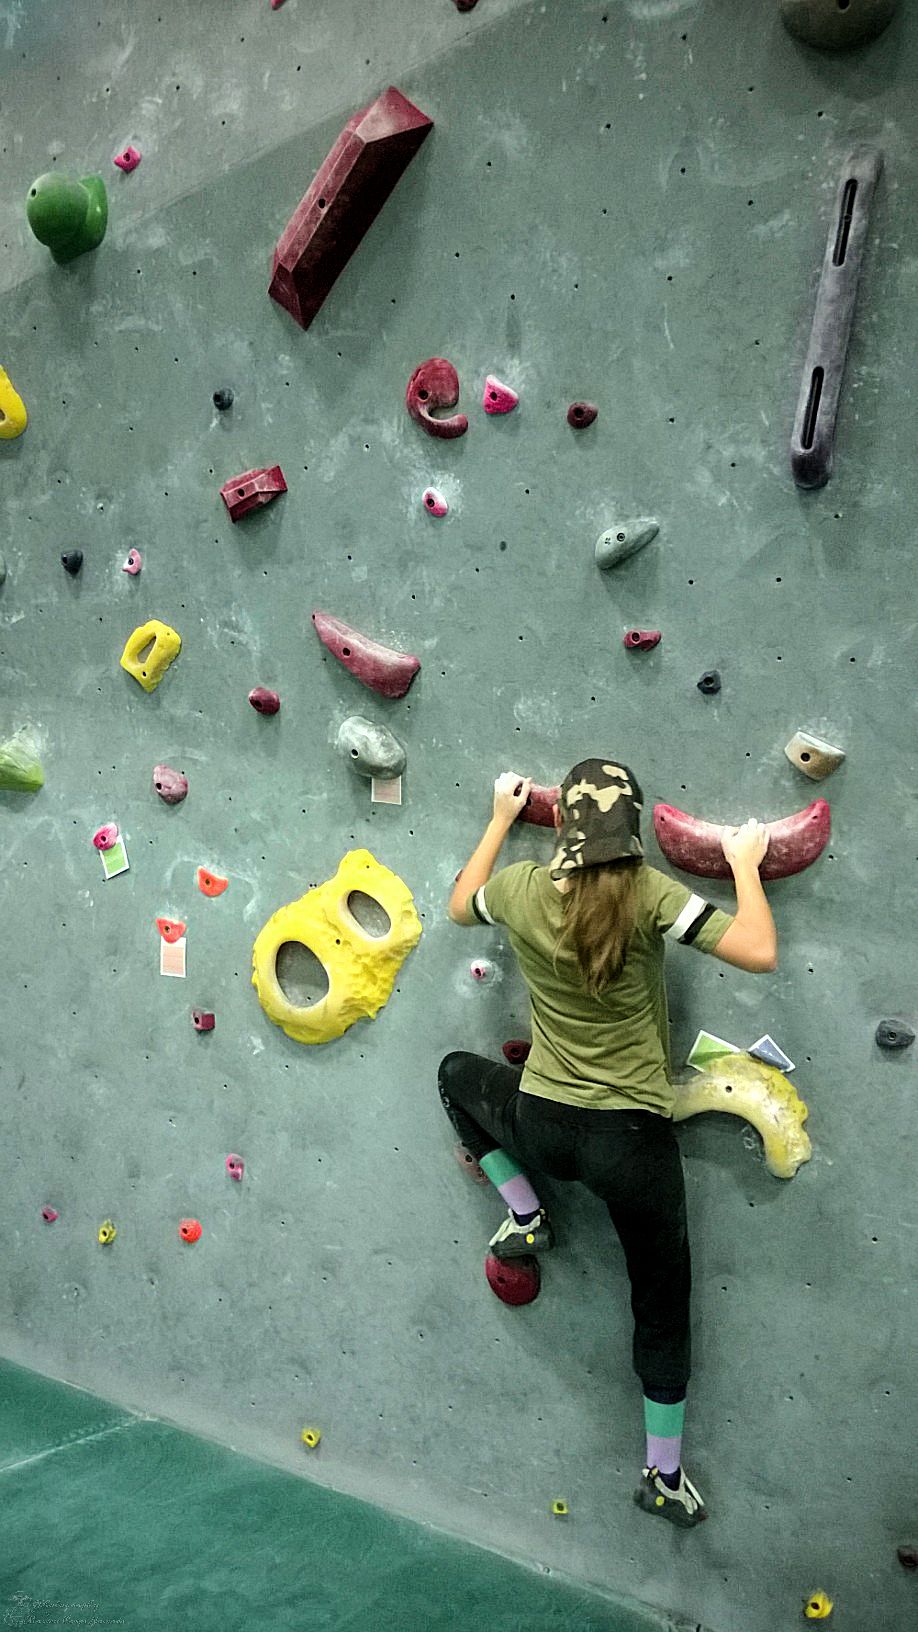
682,1506
515,1240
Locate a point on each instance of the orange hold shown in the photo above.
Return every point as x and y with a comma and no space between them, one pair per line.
171,929
211,883
189,1229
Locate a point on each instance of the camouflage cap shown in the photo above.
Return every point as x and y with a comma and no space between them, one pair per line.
600,805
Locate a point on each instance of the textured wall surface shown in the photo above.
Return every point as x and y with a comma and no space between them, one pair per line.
626,202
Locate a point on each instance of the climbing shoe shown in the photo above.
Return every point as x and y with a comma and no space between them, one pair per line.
682,1506
514,1240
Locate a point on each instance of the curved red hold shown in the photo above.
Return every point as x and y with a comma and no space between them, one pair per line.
538,807
513,1280
794,842
252,490
387,672
641,640
435,384
581,414
171,929
516,1051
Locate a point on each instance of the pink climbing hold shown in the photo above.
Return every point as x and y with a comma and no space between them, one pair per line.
49,1214
538,808
133,563
202,1021
263,700
105,837
516,1051
235,1167
385,671
128,160
435,502
190,1229
513,1280
467,1161
276,5
498,398
435,384
252,490
481,969
641,640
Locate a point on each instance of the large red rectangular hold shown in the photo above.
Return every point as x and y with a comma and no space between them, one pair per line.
374,148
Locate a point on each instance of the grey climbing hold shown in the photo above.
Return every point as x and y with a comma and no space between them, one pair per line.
815,758
72,561
834,24
709,682
894,1034
371,749
171,785
223,398
2,570
623,539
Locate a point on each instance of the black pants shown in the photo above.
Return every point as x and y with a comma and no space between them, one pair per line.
630,1159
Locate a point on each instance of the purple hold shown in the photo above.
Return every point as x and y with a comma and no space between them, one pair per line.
171,785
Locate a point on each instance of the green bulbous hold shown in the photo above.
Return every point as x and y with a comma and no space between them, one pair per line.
68,215
20,766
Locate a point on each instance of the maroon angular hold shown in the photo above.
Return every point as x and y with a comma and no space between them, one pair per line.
387,672
375,147
252,489
516,1052
202,1020
465,5
435,384
513,1280
538,807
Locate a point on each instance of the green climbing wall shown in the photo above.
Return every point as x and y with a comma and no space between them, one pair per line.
626,202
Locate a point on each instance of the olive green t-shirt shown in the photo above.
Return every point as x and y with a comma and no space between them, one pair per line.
612,1051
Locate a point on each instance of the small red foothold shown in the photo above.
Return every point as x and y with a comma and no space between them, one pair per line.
252,490
105,837
190,1229
435,384
264,701
49,1214
171,929
581,414
203,1021
210,883
516,1051
641,640
128,160
498,398
513,1280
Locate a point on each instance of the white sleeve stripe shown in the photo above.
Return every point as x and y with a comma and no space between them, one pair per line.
482,909
693,906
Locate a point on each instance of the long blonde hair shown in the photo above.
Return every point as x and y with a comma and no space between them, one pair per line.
600,910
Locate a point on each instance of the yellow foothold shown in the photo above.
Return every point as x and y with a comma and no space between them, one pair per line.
149,669
360,967
311,1437
560,1509
13,417
107,1232
529,1240
818,1606
660,1501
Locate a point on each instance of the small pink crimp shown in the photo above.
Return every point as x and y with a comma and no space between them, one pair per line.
481,969
49,1214
434,501
128,160
498,398
105,837
133,563
641,640
235,1167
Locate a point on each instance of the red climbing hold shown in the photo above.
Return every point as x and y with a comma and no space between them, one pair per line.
581,414
49,1214
202,1020
210,883
513,1280
498,398
252,490
794,842
469,1165
435,384
376,145
516,1051
190,1229
538,808
465,5
387,672
263,700
641,640
128,160
171,929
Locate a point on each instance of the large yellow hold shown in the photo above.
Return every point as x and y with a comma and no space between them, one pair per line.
360,967
13,417
148,667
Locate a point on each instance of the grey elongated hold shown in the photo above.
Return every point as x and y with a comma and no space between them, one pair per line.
371,749
815,758
812,446
623,539
894,1034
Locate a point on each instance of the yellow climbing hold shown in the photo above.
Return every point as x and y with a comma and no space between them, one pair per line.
360,967
818,1606
13,416
311,1437
760,1094
560,1509
107,1232
149,669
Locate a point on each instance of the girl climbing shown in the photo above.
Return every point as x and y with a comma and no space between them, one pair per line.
594,1100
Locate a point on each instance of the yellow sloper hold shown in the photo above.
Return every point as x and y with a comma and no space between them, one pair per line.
361,968
149,670
760,1094
818,1606
13,416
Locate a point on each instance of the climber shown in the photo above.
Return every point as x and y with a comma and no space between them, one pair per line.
589,932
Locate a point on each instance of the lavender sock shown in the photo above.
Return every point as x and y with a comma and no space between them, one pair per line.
512,1183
